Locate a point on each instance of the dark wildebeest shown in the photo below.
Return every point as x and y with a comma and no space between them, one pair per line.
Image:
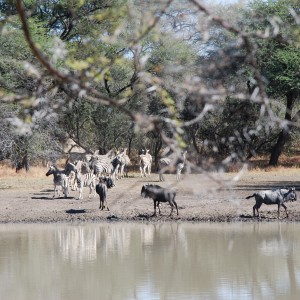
101,190
159,194
278,196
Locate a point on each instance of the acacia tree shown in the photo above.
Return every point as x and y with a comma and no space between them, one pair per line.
124,57
279,60
233,56
26,131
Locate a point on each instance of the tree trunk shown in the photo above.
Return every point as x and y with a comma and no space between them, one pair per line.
157,148
285,133
129,144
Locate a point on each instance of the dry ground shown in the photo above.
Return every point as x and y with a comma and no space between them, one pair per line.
28,198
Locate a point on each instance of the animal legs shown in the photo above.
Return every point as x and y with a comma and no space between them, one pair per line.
149,170
143,171
154,214
55,190
106,205
175,206
80,193
66,192
158,205
91,191
161,177
285,208
172,207
255,208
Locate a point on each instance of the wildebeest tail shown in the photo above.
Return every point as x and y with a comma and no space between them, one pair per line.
251,196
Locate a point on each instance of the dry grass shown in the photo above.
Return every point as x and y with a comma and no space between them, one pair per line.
34,177
261,164
258,164
286,163
34,172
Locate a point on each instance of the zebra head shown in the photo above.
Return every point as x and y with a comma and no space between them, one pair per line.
51,171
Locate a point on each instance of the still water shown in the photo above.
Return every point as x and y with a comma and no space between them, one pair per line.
160,261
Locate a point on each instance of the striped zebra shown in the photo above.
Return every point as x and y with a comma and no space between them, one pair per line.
88,179
60,179
72,181
119,163
145,163
171,162
125,162
101,165
83,167
84,177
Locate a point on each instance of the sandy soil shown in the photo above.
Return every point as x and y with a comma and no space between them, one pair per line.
219,199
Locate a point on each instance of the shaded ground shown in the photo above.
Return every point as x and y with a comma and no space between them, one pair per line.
30,200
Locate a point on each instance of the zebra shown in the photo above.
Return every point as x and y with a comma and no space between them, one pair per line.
102,164
119,163
72,181
125,161
180,166
167,162
88,179
83,168
60,178
145,163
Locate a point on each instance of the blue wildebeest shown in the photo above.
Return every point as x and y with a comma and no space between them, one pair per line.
101,190
159,194
278,196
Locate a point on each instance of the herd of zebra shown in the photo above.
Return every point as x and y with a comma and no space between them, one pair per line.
99,172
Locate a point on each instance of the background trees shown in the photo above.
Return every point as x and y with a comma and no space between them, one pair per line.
279,60
174,74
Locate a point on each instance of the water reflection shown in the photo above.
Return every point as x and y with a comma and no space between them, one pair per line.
160,261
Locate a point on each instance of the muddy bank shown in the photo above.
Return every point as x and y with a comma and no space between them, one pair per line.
200,199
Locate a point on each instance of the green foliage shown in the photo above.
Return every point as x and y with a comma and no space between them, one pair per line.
279,58
108,47
282,70
36,143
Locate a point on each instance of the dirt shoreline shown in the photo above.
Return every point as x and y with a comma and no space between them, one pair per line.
25,199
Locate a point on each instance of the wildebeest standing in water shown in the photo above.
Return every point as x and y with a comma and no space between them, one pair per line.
278,196
159,194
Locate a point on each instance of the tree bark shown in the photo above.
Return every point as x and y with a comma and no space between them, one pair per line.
285,133
157,148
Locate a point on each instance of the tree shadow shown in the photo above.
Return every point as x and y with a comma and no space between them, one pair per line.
76,211
112,218
51,198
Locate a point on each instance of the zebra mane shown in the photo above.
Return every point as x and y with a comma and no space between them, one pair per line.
69,167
